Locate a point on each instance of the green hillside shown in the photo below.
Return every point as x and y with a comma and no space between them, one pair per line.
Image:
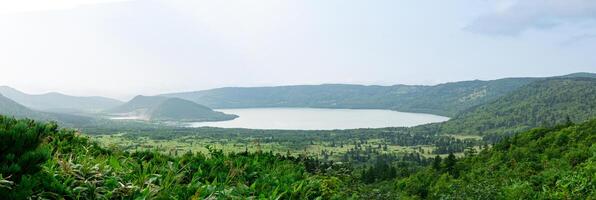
451,98
56,102
175,109
544,163
158,108
545,102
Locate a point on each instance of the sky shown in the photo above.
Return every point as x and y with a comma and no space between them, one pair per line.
122,48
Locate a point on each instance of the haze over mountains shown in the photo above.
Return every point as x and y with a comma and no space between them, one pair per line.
71,110
11,108
473,103
57,102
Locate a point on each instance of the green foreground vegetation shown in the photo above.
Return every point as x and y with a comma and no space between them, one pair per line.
39,160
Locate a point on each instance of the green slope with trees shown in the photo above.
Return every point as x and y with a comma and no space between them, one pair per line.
175,109
544,102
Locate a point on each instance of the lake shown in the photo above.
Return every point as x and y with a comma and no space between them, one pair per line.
319,119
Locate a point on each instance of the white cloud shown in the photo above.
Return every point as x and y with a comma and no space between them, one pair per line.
20,6
514,17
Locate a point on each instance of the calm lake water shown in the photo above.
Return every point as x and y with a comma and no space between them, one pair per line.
319,119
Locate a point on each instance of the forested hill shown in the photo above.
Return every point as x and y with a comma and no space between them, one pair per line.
160,108
544,163
56,102
175,109
444,99
542,103
451,98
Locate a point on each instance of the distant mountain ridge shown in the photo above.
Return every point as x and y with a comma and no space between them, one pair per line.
57,102
159,108
445,99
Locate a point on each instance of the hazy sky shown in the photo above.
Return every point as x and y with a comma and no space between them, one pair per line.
120,48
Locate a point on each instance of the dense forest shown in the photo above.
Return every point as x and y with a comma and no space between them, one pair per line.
39,160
